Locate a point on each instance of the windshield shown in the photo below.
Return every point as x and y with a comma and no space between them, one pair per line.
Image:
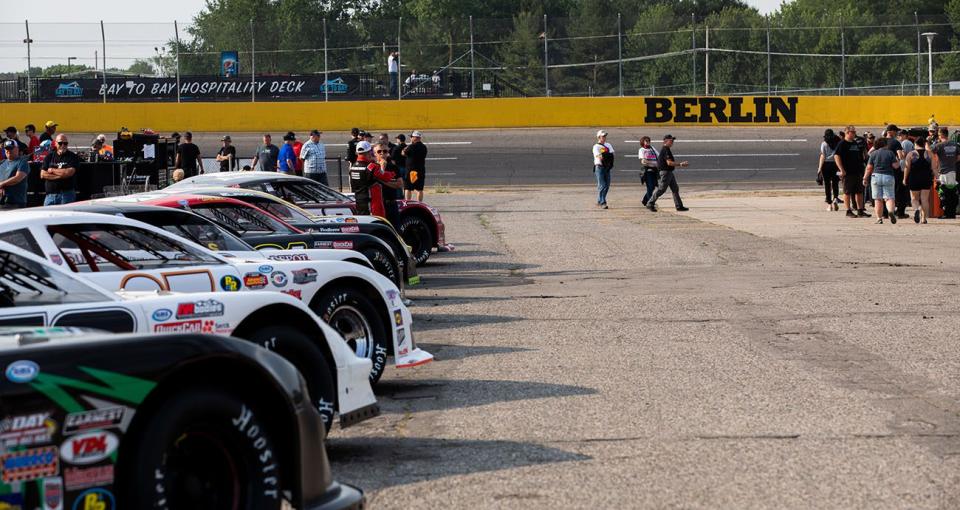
242,219
289,214
194,228
24,282
307,192
92,248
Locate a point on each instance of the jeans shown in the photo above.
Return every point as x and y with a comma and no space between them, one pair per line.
831,187
321,178
603,183
64,197
667,180
394,81
650,179
882,186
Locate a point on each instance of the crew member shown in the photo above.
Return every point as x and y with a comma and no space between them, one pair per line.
188,156
49,131
367,180
13,177
665,165
416,154
59,173
390,196
100,149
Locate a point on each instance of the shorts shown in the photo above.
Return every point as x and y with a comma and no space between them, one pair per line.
882,186
414,180
852,183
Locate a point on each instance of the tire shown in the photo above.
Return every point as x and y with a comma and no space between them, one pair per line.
383,263
206,449
355,317
419,236
302,351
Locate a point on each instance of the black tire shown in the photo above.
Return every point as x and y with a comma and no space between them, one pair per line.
419,236
299,349
384,263
206,449
355,317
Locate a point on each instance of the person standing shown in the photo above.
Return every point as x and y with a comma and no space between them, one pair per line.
59,171
849,159
265,159
880,175
602,166
188,156
367,181
297,147
901,193
313,155
389,167
648,160
352,146
287,159
665,166
416,154
50,131
13,177
11,133
918,178
227,155
827,170
945,154
31,132
393,67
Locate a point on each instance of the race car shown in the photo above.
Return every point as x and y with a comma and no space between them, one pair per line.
420,225
93,421
35,293
122,254
267,232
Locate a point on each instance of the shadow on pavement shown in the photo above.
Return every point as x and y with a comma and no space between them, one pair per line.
444,321
430,301
435,281
437,394
448,352
377,462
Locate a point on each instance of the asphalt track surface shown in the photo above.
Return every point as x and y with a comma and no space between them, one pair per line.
720,158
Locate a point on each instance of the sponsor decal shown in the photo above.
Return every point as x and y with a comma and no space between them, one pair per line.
397,318
394,297
162,315
95,499
343,245
196,309
27,429
89,447
305,275
265,269
292,256
52,492
222,327
401,339
81,478
69,89
230,283
29,464
350,230
255,281
56,259
22,371
350,220
279,279
323,244
293,292
247,426
179,327
719,110
94,419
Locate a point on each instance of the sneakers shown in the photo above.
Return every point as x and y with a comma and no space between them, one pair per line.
916,216
682,208
879,221
893,219
652,207
644,202
604,206
851,214
836,206
829,207
863,213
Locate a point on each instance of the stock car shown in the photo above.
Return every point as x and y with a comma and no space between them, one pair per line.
267,232
34,292
118,253
420,224
92,421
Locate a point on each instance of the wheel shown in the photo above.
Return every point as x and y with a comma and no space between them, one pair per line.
299,349
384,264
418,235
206,450
355,317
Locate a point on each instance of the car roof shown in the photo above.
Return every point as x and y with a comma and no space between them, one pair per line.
54,214
236,178
106,207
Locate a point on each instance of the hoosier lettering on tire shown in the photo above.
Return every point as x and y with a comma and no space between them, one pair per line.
355,317
416,233
383,263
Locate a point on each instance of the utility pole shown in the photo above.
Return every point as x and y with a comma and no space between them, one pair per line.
930,36
620,52
546,59
27,41
253,64
176,36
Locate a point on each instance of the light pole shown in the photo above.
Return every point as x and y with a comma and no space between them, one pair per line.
930,36
70,59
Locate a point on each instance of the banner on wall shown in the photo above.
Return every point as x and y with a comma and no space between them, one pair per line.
720,110
206,87
229,64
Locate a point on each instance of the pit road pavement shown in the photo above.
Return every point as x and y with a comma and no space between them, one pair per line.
756,352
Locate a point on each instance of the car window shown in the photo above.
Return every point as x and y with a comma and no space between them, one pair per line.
278,209
306,193
242,219
198,230
105,247
24,282
22,239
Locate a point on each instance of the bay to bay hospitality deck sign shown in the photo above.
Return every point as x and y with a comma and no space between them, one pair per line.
204,87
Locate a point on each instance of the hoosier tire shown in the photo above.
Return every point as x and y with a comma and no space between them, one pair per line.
352,314
419,236
383,263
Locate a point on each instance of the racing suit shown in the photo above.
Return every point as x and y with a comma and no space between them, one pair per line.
367,183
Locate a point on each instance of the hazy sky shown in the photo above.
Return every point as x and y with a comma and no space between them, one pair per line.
72,29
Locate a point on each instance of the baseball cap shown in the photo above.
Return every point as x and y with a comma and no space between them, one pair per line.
289,137
226,138
363,147
10,129
9,144
892,127
601,133
416,133
314,132
102,137
50,123
669,137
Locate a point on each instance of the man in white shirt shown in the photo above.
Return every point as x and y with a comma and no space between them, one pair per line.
602,165
393,67
313,153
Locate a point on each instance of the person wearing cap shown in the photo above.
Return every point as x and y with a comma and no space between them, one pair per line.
297,147
58,172
602,165
665,165
287,163
416,154
265,159
14,170
101,150
11,134
352,146
227,155
313,155
32,140
188,157
368,180
49,132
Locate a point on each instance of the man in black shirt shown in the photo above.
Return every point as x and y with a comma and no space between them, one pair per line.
188,156
49,132
901,191
227,155
416,154
849,158
59,174
665,166
352,145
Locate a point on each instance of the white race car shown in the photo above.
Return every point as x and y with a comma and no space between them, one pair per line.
123,254
34,292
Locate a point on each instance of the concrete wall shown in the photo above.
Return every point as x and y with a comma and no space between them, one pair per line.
487,113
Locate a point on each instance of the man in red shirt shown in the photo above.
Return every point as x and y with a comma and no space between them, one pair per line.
31,131
367,180
297,145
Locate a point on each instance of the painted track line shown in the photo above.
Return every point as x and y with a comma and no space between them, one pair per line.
720,170
781,140
724,155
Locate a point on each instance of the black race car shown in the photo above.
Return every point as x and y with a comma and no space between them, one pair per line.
180,421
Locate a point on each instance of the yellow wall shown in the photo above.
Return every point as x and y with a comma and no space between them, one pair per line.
447,114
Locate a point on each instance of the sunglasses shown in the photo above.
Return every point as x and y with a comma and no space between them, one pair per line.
62,143
383,152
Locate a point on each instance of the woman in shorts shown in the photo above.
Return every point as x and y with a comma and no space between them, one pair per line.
881,168
918,178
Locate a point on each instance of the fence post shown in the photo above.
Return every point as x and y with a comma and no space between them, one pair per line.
546,60
706,62
30,85
399,60
768,56
253,64
843,59
176,35
326,77
693,49
473,77
103,39
620,51
916,23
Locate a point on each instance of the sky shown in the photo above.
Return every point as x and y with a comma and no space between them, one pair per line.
72,29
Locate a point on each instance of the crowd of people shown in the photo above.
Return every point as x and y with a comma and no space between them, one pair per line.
58,165
658,167
890,172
